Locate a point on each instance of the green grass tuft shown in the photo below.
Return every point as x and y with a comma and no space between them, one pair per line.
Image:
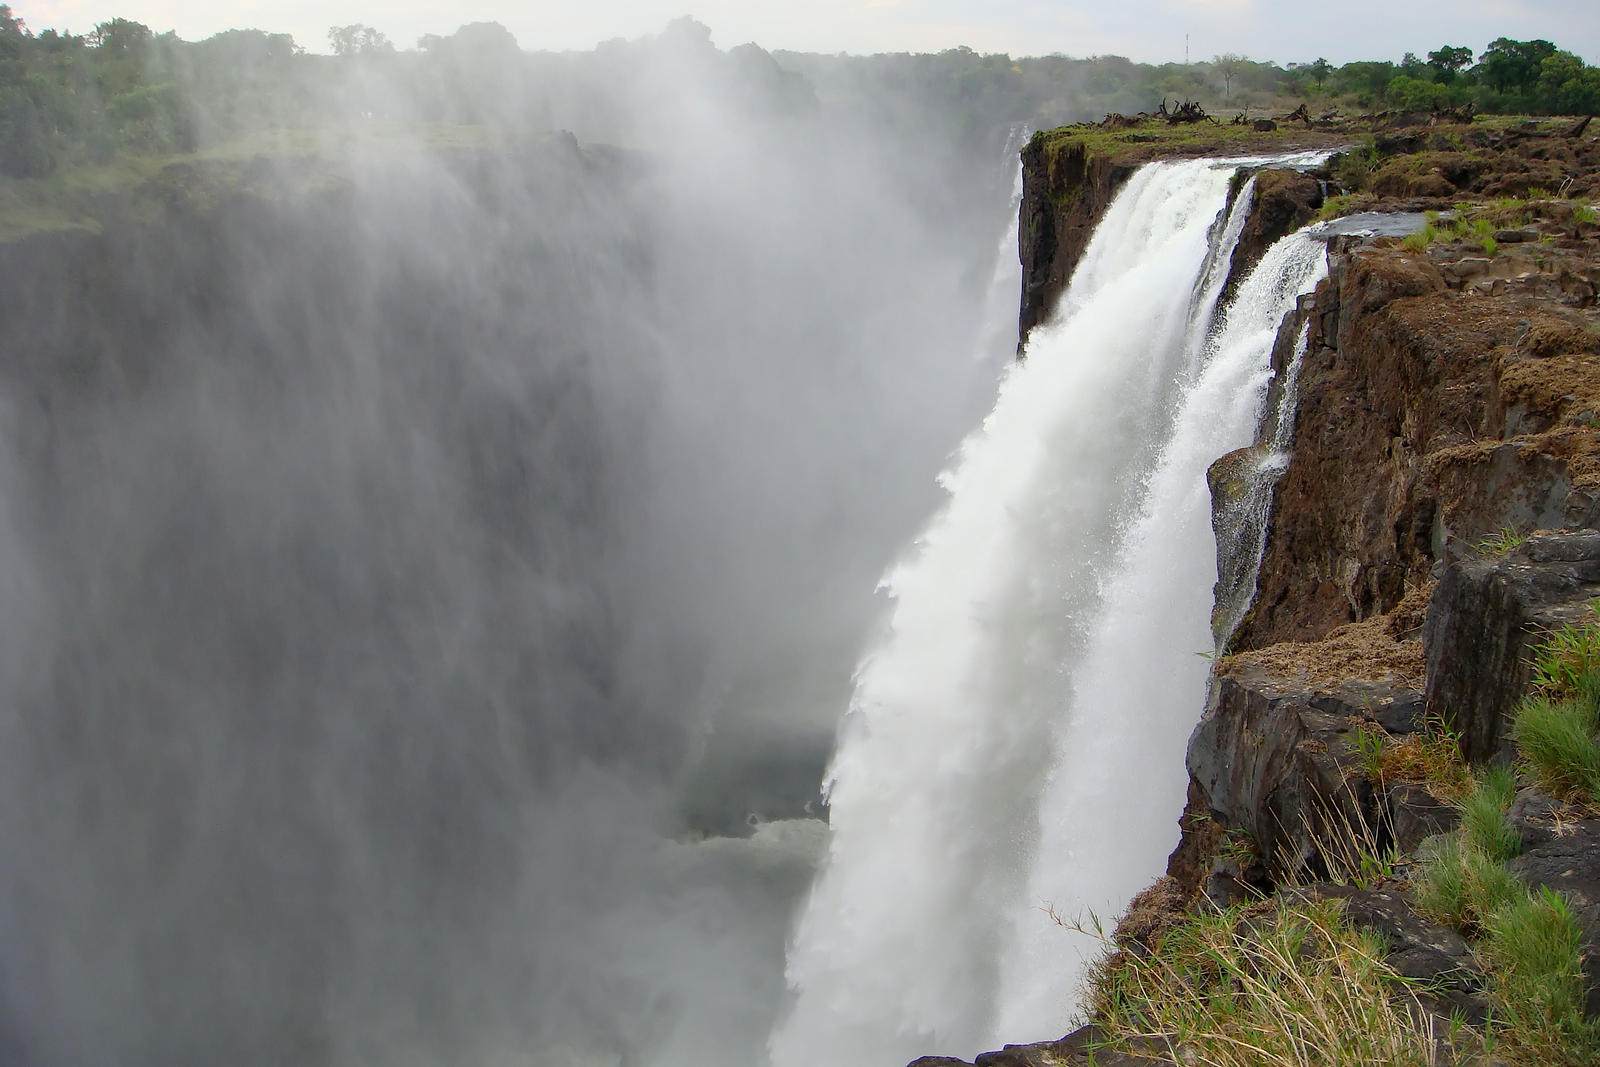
1568,660
1504,541
1534,949
1460,886
1556,739
1483,816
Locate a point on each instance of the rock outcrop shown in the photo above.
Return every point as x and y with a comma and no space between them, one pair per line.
1483,621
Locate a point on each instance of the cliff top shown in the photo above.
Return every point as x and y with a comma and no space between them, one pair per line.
1130,141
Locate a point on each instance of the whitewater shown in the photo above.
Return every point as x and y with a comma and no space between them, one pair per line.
1014,746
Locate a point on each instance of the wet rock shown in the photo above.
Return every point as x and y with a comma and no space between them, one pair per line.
1283,201
1065,190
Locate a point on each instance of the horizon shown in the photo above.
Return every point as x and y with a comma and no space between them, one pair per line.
1188,30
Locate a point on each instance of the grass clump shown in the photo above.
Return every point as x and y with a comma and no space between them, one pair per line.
1557,741
1498,544
1421,239
1290,983
1483,816
1534,949
1567,661
1461,887
1557,730
1342,204
1431,757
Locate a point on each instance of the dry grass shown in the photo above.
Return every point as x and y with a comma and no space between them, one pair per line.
1264,985
1432,759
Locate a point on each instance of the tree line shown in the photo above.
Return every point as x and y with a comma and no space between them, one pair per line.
68,100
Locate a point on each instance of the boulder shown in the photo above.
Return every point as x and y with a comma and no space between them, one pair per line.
1269,762
1484,619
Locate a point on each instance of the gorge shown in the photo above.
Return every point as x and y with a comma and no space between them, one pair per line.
435,563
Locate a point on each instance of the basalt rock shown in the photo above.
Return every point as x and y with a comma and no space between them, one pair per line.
1274,757
1487,614
1084,1047
1065,191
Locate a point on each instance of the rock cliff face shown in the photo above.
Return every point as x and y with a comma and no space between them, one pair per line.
1443,399
1446,410
1065,190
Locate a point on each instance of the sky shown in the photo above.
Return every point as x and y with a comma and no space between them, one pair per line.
1154,31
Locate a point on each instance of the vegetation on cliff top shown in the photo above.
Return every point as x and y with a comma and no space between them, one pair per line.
1291,980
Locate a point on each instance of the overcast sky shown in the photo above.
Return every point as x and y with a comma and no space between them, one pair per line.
1147,30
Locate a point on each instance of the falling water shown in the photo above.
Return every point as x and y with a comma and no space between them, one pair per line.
998,609
1112,799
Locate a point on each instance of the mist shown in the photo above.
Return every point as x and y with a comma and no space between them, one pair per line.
434,567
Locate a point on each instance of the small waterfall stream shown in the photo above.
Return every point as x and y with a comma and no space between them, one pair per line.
1016,735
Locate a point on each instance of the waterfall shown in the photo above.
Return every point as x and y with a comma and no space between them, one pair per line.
1112,799
1015,740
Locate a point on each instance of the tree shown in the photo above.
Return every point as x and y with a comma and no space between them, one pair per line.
1567,86
1366,79
1413,94
358,40
1513,66
1320,71
1448,62
122,37
1230,65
